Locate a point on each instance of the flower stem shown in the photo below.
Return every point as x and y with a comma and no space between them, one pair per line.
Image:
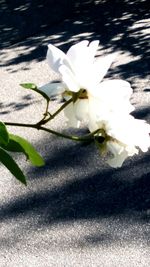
83,138
52,116
61,108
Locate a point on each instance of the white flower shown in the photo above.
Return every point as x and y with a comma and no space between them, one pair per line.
78,68
111,97
124,137
119,153
77,112
102,105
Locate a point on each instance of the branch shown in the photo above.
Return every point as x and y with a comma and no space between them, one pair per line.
52,116
83,138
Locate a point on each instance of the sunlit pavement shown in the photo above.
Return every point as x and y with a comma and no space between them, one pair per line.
76,210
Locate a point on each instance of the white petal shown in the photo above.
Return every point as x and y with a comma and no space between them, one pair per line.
82,57
112,96
92,125
53,89
93,47
119,154
131,132
56,57
77,53
93,110
118,160
81,109
140,134
113,89
69,78
84,69
101,66
70,114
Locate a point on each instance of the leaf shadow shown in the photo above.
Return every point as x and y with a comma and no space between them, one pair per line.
120,28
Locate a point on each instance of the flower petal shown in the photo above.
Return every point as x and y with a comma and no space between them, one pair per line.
117,160
82,57
114,88
77,53
93,47
111,96
130,131
101,66
56,57
81,109
119,152
69,78
53,89
70,114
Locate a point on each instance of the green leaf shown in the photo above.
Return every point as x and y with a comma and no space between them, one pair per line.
12,166
29,85
19,144
33,87
4,136
13,146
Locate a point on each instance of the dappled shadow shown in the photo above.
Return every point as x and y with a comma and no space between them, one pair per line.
142,113
16,106
138,68
84,187
147,90
76,186
20,19
107,192
119,25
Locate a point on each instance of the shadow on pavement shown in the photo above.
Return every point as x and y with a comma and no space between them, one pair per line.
98,192
117,24
107,192
20,19
76,186
10,107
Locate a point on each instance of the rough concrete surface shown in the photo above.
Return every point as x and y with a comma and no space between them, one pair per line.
76,210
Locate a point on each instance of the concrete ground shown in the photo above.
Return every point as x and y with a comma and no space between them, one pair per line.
76,210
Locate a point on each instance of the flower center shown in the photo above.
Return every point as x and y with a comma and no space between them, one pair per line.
83,94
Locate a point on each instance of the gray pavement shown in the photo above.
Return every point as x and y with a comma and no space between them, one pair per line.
76,210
